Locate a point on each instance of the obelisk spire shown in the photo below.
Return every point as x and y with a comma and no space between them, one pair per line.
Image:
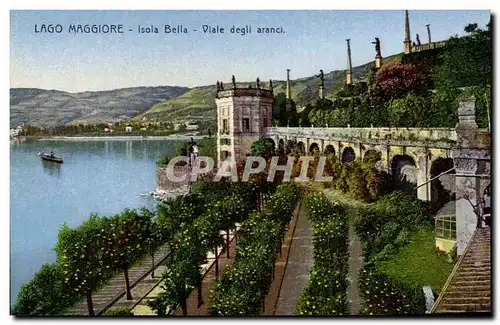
348,79
288,84
407,41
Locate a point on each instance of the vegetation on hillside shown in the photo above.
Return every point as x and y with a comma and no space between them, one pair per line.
424,91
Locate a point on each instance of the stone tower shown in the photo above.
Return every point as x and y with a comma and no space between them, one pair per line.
348,77
288,95
407,41
242,115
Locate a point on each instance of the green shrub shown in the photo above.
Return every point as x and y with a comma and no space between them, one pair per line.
382,222
44,294
119,312
381,295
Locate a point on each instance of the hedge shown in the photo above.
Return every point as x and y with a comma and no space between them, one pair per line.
388,223
326,291
384,227
242,288
382,295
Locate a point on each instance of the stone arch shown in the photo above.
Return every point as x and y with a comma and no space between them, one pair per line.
404,173
313,147
348,155
329,150
443,187
301,147
290,145
281,146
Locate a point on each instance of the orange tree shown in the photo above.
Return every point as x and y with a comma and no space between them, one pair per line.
82,256
125,241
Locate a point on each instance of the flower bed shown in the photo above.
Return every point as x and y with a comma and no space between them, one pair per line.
326,291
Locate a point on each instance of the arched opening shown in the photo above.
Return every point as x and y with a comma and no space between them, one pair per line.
273,144
329,150
348,155
372,156
404,173
301,147
281,146
443,187
313,148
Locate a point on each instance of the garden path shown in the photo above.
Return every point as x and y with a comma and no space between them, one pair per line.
300,259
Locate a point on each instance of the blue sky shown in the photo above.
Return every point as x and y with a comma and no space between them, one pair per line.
313,40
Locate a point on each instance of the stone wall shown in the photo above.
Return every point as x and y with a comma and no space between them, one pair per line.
163,184
403,134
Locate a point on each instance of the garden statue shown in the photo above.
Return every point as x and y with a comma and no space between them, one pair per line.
321,77
377,46
234,82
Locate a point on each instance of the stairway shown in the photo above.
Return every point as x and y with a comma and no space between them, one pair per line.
469,287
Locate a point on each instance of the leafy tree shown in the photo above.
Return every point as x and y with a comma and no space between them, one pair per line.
467,61
125,242
44,295
262,148
182,274
394,80
82,257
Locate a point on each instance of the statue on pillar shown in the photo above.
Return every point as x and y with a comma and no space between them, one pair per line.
258,83
377,47
271,85
218,85
418,40
321,77
234,82
221,84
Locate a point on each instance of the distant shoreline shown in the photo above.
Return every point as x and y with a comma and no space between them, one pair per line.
118,137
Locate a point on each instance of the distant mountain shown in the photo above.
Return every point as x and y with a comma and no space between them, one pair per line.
175,104
199,102
53,107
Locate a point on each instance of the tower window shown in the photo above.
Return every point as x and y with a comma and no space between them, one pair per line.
225,125
246,125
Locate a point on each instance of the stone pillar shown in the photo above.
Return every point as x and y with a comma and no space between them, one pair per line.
407,41
423,164
467,183
467,194
348,79
321,92
288,96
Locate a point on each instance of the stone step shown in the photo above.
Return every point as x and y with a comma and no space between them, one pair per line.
472,269
473,277
465,300
468,288
460,283
476,272
465,307
474,293
443,311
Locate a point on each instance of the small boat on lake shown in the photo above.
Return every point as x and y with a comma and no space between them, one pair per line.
51,157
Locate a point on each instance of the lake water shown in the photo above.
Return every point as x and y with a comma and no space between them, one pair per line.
96,176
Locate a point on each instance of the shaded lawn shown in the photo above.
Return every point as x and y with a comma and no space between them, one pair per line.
419,262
